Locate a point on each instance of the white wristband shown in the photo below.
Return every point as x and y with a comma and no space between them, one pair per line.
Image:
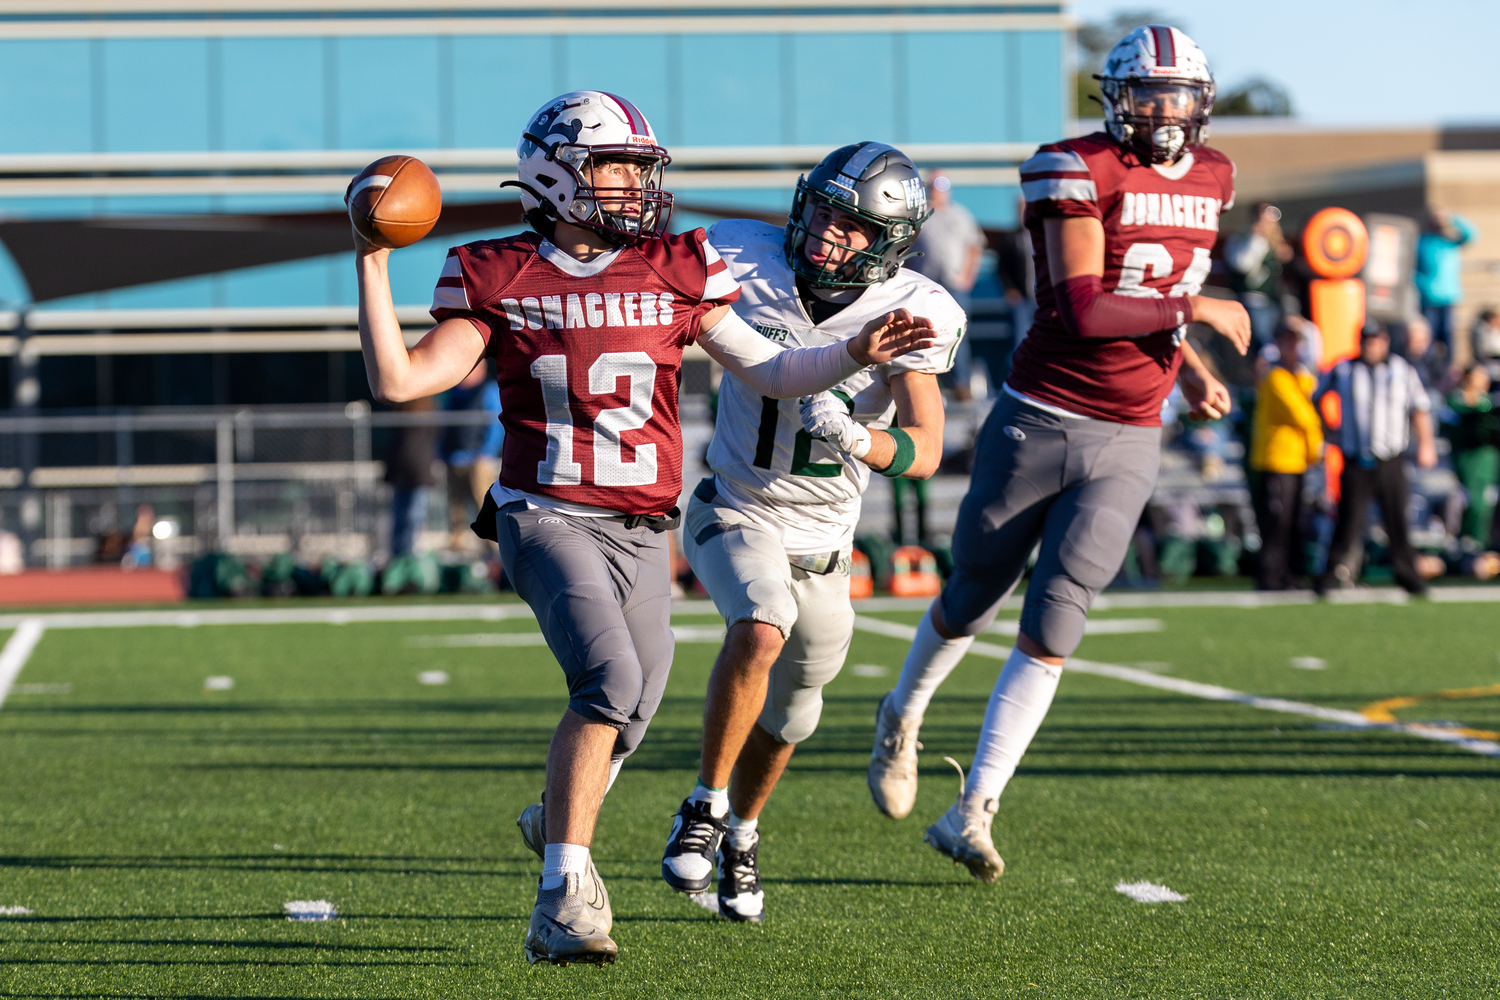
866,440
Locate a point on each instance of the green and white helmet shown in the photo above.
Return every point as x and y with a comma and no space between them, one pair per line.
875,183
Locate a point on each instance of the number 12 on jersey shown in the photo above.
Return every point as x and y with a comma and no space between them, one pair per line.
765,443
610,468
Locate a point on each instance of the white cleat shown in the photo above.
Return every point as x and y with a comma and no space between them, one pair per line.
893,762
533,825
564,927
963,834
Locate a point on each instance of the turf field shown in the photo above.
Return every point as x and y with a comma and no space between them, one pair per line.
155,829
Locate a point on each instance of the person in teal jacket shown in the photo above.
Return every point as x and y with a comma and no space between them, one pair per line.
1439,281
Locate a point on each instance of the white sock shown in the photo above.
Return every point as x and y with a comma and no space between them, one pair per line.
561,859
615,763
742,832
1019,704
717,799
928,663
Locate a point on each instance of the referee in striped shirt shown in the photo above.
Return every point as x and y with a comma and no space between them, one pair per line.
1382,400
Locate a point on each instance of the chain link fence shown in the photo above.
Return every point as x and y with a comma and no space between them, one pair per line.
253,482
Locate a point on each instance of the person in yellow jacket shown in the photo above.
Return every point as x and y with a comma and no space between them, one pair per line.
1287,437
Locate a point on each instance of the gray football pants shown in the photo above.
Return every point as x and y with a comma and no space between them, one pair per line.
602,595
1075,485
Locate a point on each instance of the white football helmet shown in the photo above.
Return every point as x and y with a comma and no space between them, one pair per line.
1158,93
558,152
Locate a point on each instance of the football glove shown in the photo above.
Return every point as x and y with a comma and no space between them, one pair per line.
825,416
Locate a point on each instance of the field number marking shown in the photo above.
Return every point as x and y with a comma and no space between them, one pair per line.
1382,712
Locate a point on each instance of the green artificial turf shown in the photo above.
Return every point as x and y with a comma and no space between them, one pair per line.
156,829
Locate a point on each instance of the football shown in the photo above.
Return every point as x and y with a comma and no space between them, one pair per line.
395,201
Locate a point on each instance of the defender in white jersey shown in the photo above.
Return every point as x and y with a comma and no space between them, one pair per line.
769,534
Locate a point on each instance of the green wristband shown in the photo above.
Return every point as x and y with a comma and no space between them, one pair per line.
906,453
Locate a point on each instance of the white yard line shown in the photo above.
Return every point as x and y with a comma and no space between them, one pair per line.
1210,692
354,614
28,632
276,616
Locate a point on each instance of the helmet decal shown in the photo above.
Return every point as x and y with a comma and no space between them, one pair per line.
916,194
549,122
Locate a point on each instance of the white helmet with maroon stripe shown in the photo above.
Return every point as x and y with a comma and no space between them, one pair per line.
1158,93
559,150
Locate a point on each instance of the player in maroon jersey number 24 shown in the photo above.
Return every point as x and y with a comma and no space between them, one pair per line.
586,318
1123,222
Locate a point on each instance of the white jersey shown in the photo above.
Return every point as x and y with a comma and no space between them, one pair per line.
765,464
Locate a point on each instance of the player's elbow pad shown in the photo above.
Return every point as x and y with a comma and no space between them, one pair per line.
1087,310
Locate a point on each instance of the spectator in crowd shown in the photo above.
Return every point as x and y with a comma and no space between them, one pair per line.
1256,257
471,453
1430,362
1286,438
1484,341
1438,274
951,245
141,550
1382,400
1309,346
408,469
1016,267
1474,429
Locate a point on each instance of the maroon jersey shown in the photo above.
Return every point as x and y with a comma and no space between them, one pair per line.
588,359
1160,224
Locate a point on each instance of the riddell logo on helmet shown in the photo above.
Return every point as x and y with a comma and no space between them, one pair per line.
593,309
642,140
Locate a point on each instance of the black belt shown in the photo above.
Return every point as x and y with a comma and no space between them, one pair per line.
656,522
484,525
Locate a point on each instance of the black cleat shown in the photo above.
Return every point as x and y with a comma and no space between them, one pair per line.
687,864
740,895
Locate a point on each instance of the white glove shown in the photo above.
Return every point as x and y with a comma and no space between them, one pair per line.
825,416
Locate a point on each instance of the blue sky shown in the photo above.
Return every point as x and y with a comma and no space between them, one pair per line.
1350,63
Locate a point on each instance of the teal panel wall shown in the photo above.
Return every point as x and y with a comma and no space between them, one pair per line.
273,93
44,97
156,94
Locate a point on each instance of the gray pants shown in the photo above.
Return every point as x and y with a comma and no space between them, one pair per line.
602,595
1078,487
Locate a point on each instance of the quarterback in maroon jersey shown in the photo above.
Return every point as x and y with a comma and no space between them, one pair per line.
586,319
1123,222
